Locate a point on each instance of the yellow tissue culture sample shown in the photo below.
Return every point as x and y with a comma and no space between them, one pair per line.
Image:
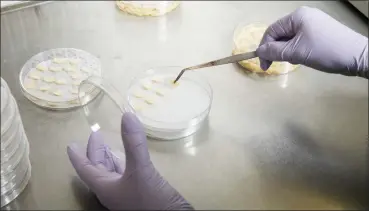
41,67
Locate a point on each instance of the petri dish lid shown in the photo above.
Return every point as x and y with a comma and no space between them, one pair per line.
7,107
103,109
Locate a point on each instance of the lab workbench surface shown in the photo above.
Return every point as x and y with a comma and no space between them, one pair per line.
298,141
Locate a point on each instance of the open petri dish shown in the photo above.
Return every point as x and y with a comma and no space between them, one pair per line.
246,38
51,78
147,8
167,111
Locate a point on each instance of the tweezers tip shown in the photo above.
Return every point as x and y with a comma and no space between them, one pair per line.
179,76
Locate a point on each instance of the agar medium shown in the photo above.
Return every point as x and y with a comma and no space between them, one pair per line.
167,110
50,79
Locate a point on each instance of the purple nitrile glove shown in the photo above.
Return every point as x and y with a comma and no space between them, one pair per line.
310,37
138,185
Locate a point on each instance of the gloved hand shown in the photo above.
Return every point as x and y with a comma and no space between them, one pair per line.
138,185
310,37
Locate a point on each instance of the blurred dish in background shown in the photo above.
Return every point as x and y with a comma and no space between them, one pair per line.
147,8
247,38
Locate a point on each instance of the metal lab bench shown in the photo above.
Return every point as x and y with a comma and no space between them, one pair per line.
296,142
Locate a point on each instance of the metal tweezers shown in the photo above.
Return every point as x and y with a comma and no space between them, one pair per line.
227,60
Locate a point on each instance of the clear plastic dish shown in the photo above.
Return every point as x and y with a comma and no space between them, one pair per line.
51,78
16,176
103,110
18,189
10,130
247,37
147,8
24,163
11,148
7,110
167,111
14,160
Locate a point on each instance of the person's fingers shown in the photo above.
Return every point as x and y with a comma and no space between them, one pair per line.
134,139
282,29
83,166
118,163
96,148
274,51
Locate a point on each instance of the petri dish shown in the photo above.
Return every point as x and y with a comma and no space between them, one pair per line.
7,108
103,110
24,163
170,111
16,176
17,189
10,131
51,78
167,111
14,160
147,8
247,37
10,149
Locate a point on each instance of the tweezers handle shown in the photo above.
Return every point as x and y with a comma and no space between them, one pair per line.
226,60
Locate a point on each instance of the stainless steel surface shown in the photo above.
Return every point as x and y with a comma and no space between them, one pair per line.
362,6
226,60
303,146
12,6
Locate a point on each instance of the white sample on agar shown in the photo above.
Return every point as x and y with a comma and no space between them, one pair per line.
70,69
44,88
59,60
138,94
159,92
41,67
60,81
146,86
149,101
85,69
48,79
34,76
57,93
55,69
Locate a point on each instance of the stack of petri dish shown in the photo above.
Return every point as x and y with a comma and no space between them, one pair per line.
15,163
